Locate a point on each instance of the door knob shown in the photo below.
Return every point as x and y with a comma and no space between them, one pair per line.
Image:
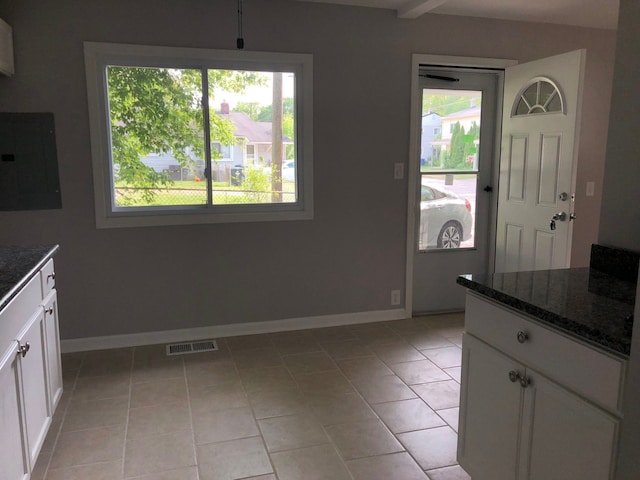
560,216
23,349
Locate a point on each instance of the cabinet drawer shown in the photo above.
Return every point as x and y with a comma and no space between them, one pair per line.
18,310
47,278
594,374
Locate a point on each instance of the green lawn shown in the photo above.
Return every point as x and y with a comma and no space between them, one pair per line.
189,192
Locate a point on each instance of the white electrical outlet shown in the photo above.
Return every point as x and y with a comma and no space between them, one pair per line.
591,186
395,297
398,171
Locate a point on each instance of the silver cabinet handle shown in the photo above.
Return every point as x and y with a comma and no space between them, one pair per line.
23,349
518,377
522,336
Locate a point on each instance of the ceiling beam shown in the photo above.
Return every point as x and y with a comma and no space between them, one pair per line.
415,8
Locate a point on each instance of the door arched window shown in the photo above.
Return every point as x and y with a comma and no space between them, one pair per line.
541,95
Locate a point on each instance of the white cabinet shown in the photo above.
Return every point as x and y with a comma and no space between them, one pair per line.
30,374
490,411
526,412
33,383
12,452
564,436
52,336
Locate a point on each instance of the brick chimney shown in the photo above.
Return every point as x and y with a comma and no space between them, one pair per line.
224,108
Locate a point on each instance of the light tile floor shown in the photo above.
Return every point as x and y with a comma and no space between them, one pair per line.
376,401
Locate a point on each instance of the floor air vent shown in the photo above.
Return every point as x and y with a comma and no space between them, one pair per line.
192,347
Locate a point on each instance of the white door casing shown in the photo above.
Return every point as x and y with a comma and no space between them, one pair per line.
538,163
417,62
436,270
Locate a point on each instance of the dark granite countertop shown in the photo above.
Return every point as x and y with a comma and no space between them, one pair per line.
588,304
18,265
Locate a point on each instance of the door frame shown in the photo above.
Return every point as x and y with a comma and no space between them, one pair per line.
418,60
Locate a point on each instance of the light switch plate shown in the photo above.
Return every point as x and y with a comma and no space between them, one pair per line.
6,49
398,171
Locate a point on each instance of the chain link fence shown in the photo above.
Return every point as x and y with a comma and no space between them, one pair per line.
175,196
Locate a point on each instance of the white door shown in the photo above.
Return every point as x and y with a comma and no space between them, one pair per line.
452,206
540,132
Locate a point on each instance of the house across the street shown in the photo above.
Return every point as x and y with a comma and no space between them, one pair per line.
253,147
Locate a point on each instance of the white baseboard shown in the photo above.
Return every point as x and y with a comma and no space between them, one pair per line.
230,330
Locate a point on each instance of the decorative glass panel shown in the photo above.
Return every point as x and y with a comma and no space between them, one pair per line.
540,96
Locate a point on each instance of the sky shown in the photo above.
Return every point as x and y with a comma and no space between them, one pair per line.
262,95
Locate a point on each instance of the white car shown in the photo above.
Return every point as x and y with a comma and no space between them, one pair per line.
289,171
445,218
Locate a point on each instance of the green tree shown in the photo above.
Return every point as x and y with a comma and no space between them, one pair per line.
158,110
266,112
252,109
470,148
456,155
447,104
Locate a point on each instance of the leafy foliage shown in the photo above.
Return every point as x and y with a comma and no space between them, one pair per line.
462,147
159,110
447,104
257,182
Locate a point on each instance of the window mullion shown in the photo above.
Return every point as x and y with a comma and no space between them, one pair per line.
207,135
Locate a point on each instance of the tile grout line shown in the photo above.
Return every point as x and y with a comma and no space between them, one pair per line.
126,423
324,428
418,396
64,415
193,429
244,390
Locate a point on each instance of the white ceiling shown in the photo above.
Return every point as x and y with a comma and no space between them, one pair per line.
585,13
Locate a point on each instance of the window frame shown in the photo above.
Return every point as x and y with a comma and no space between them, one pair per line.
99,55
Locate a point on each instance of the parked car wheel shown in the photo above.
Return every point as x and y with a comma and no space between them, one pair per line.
450,236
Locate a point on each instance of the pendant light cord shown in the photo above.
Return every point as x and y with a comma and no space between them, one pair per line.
240,40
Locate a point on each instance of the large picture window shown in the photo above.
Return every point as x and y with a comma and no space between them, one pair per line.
199,136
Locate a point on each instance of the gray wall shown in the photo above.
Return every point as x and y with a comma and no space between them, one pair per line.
352,254
620,222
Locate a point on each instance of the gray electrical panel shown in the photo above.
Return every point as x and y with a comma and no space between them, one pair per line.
28,162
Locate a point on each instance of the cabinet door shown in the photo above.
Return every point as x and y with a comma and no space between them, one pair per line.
34,384
12,439
54,364
566,437
490,406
